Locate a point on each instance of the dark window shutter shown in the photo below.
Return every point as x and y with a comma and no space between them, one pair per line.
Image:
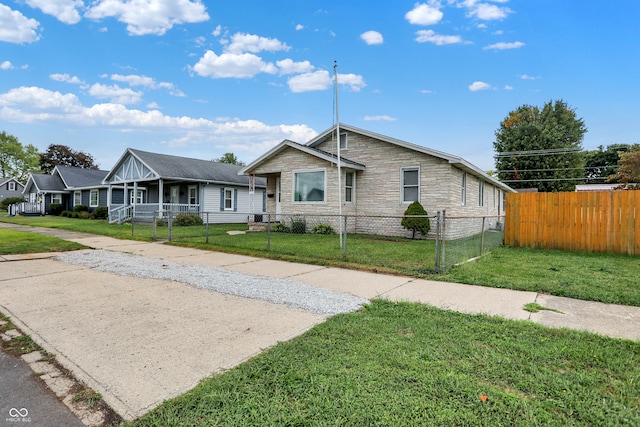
235,200
264,201
221,199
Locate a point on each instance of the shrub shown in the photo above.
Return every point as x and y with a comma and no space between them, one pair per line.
298,225
4,204
66,214
80,208
322,229
416,224
82,214
102,212
55,209
186,220
280,228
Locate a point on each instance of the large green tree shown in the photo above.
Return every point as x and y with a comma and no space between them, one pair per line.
229,158
541,147
600,164
628,172
17,160
61,155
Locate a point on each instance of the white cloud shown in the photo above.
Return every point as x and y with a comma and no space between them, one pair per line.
527,77
508,87
66,78
153,106
148,82
429,36
372,37
504,46
149,16
299,27
427,91
497,32
64,10
383,118
252,43
288,66
355,82
217,31
307,82
425,14
476,86
115,93
17,28
226,65
6,65
488,12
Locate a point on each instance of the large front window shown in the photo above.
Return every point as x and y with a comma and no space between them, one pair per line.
410,184
309,186
56,198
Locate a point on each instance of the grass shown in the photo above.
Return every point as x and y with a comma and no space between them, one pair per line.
88,396
534,307
606,278
400,364
20,242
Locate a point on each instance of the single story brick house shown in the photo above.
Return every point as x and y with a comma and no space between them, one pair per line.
67,186
141,183
380,176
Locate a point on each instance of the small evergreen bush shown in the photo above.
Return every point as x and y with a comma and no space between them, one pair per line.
81,208
55,209
298,225
102,212
83,214
187,220
322,229
421,225
280,228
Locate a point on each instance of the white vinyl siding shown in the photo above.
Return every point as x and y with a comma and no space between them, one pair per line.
410,179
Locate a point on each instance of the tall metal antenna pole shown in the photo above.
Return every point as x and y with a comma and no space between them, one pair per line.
335,73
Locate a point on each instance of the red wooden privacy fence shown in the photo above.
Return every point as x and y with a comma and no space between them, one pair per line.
604,221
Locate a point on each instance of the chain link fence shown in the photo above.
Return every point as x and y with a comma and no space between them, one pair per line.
414,245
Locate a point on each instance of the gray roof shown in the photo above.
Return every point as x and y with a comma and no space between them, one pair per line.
189,169
81,178
47,182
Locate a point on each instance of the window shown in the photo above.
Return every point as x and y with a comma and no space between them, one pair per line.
135,198
228,199
481,193
56,198
349,187
309,186
343,141
410,184
193,195
93,198
77,198
464,189
11,186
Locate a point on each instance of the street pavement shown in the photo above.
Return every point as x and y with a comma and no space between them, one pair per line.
140,341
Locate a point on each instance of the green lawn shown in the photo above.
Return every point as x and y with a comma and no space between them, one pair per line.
409,364
598,277
20,242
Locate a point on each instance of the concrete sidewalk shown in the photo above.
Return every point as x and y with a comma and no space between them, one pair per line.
141,341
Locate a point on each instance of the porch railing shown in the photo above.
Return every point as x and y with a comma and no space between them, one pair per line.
26,208
145,211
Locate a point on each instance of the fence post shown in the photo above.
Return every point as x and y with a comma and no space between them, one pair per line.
482,236
344,240
155,226
207,227
170,219
133,220
437,263
443,242
268,232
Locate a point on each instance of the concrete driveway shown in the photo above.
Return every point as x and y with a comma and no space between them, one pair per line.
139,341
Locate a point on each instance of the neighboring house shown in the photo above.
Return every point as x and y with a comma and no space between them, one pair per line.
10,187
67,186
380,176
600,187
142,183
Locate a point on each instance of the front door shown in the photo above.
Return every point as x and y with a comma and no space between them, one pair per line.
175,195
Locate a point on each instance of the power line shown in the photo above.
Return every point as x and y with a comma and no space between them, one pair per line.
556,169
543,152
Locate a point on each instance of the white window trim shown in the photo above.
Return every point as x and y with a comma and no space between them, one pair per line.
481,193
137,197
77,198
230,189
12,186
57,196
189,188
402,186
293,192
464,189
353,188
91,193
346,141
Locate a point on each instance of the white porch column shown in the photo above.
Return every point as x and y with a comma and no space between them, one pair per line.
126,195
160,195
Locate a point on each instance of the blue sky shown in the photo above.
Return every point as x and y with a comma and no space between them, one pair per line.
201,78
